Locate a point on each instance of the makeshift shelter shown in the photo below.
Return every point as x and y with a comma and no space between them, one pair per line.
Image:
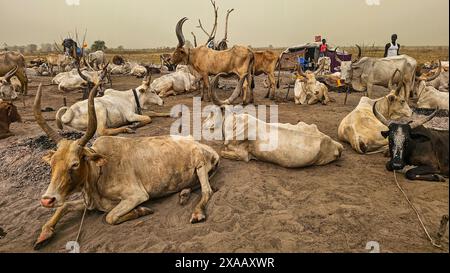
308,55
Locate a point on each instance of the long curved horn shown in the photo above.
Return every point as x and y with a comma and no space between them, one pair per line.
82,75
179,32
92,122
11,73
359,54
52,134
300,71
420,122
432,78
379,116
391,81
233,96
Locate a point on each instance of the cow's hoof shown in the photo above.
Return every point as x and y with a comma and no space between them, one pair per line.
44,237
439,178
143,211
130,130
197,217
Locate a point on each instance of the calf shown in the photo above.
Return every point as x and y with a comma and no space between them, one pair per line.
309,90
116,175
8,115
114,110
266,63
414,145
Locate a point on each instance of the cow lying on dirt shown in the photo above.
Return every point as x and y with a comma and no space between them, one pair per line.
361,129
412,144
111,180
296,146
309,91
10,85
175,83
8,115
428,96
114,110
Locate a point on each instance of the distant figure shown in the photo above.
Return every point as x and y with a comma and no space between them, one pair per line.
323,48
392,48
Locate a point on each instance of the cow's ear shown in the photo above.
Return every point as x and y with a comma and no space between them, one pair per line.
48,157
391,98
385,134
91,155
420,138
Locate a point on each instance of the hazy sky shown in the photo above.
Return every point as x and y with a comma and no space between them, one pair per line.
151,23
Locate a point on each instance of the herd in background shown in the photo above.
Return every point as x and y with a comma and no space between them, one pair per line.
180,164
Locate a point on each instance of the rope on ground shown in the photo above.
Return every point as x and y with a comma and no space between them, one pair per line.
81,224
417,213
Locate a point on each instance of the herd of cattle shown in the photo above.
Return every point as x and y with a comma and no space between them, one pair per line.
109,179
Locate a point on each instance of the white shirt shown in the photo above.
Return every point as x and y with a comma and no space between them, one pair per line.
392,51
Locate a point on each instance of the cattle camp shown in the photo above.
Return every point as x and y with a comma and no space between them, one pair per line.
209,129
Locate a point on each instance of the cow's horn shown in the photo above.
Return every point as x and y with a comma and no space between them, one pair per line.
359,54
179,32
82,75
233,96
52,134
424,120
432,78
92,122
11,73
379,116
300,71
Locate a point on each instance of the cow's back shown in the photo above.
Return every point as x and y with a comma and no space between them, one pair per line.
296,146
162,165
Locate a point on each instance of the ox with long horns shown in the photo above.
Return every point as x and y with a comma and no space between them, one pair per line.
109,178
238,60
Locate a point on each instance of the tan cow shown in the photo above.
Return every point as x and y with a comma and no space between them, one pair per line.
310,91
362,130
266,63
238,60
427,95
116,175
11,59
59,60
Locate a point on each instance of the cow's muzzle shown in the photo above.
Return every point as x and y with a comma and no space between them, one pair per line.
48,202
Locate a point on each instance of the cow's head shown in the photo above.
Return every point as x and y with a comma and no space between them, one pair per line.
147,96
180,55
402,139
349,70
394,104
9,110
6,87
72,164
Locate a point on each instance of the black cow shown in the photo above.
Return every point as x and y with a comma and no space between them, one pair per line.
414,145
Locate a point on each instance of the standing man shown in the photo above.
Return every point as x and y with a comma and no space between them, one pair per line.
392,48
323,48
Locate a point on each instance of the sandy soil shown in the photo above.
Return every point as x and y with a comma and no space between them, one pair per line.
258,207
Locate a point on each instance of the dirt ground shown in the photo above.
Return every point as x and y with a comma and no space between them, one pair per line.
258,207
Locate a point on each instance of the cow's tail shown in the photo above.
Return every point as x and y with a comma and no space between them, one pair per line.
60,113
251,70
279,69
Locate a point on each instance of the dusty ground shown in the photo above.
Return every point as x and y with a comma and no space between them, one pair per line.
258,207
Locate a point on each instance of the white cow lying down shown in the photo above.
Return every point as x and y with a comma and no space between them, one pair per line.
114,109
69,81
287,145
175,83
